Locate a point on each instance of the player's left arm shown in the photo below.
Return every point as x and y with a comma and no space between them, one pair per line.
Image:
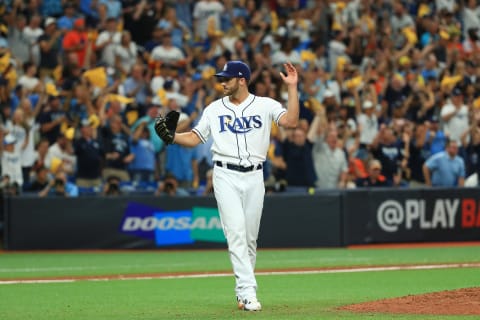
290,118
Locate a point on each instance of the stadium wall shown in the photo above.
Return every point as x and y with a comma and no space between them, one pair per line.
325,219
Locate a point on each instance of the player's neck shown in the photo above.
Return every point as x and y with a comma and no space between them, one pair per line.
238,97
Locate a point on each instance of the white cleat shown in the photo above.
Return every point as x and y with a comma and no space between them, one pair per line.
251,304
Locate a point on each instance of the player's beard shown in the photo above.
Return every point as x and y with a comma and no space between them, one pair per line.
231,88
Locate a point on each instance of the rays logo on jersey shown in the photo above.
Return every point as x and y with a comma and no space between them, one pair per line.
172,227
239,125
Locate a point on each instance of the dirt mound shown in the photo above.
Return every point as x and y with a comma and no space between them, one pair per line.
452,302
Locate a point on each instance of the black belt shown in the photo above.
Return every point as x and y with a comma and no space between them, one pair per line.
235,167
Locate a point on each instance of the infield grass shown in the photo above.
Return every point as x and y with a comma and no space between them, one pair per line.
300,296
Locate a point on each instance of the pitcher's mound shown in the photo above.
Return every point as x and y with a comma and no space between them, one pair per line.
453,302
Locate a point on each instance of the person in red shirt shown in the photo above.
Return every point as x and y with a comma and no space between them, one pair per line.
374,178
76,41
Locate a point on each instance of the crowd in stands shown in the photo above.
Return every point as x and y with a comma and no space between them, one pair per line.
389,91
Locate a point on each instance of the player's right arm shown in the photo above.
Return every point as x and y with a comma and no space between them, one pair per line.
187,139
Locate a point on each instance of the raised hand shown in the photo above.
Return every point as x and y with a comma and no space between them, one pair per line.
291,78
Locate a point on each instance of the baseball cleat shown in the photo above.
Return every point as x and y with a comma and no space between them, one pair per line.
252,304
240,303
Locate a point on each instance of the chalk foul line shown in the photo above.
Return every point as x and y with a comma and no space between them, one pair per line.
229,274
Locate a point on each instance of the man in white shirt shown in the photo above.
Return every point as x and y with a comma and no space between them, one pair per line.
455,116
107,40
166,52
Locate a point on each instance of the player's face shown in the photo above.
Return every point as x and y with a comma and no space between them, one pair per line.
230,85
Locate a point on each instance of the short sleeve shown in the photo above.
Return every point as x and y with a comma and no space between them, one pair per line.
202,129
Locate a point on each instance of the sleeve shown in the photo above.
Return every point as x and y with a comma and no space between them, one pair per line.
102,37
432,162
462,169
202,129
68,41
277,111
446,110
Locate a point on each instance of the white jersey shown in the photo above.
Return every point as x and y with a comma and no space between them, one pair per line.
241,133
12,166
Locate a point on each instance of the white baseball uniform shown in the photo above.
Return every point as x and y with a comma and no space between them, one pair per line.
241,136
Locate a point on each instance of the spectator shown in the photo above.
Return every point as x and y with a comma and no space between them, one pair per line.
170,24
76,41
374,178
296,150
49,43
136,86
166,52
445,169
66,22
19,44
107,41
455,116
59,187
62,149
11,161
90,157
117,150
126,54
182,162
367,126
24,132
40,180
31,32
113,8
329,160
169,187
143,167
112,186
149,119
29,80
41,149
203,11
388,150
51,117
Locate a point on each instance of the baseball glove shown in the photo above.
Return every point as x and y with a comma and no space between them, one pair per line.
165,126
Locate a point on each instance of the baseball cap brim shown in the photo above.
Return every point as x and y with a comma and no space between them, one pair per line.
225,74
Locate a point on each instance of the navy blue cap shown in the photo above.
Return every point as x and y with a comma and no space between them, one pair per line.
235,69
457,92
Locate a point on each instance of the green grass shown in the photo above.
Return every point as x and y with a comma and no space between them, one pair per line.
313,296
28,265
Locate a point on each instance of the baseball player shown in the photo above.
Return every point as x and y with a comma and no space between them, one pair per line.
239,125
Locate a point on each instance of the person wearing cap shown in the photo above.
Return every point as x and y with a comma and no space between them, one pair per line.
455,115
51,117
11,159
49,43
240,124
76,41
367,121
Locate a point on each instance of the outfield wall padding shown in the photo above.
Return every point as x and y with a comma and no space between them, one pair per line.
411,215
126,222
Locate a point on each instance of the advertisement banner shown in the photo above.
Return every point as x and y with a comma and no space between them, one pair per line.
411,215
163,222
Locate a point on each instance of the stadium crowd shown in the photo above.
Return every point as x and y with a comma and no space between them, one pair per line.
389,91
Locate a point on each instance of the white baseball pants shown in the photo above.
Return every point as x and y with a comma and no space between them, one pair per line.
240,197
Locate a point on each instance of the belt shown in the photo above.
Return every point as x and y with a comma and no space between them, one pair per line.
235,167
